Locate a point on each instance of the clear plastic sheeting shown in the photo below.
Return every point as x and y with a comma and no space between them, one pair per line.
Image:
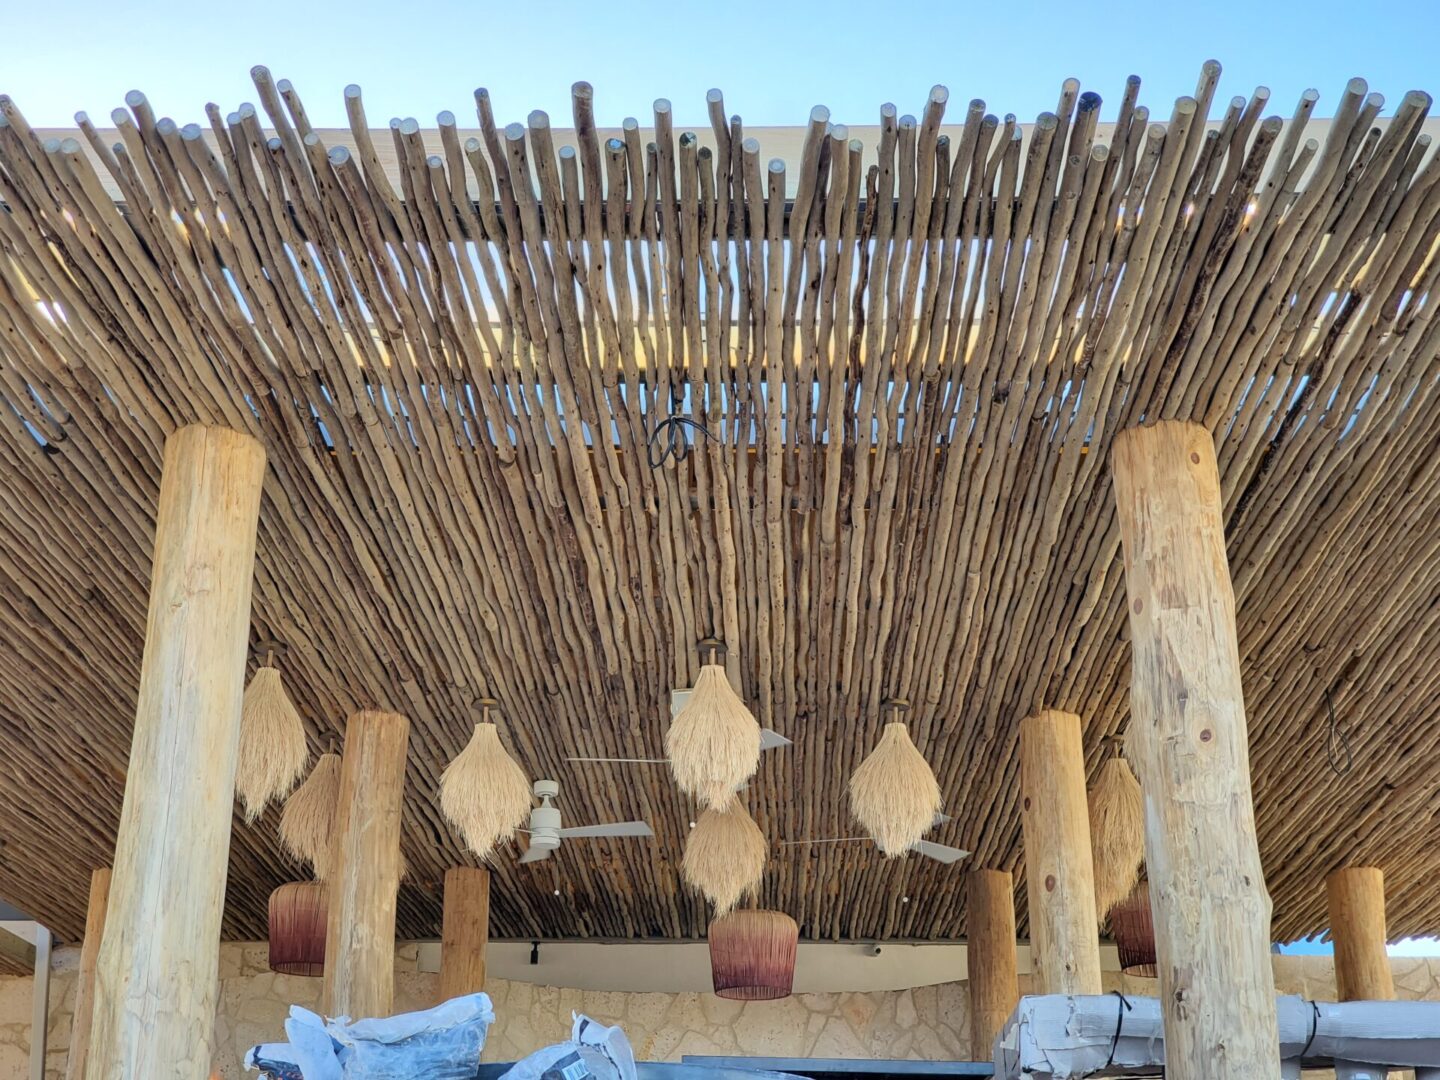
1055,1036
442,1043
594,1052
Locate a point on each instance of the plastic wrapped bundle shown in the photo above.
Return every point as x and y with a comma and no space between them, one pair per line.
442,1043
594,1052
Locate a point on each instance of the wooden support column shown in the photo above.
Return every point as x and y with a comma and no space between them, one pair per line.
365,868
465,931
157,975
40,1004
1190,747
85,977
990,956
1059,871
1357,926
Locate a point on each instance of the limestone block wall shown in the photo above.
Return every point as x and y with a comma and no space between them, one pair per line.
926,1022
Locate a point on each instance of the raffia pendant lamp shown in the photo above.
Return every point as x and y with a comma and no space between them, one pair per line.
714,741
1134,930
297,929
273,749
307,823
725,856
484,792
1117,833
894,793
752,955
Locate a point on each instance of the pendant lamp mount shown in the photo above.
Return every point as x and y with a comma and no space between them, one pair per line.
712,650
269,649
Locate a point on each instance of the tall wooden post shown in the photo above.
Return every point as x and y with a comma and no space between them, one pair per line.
464,932
1059,871
365,868
1357,926
157,975
40,1003
85,977
990,956
1189,743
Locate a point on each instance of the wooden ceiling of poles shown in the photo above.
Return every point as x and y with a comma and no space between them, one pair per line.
909,358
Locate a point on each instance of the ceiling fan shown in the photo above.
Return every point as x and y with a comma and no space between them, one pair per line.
546,833
941,853
769,740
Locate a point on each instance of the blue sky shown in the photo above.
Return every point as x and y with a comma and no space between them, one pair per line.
1406,947
773,59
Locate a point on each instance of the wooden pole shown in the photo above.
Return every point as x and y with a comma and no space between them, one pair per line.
990,956
1357,926
365,868
40,1004
1059,870
157,975
464,932
85,977
1189,744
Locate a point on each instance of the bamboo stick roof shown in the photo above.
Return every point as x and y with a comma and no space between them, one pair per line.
901,364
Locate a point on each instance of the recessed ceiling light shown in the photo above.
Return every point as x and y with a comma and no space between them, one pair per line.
904,899
557,892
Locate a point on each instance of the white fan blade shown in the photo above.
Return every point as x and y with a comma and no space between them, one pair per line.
772,740
622,760
939,852
619,828
941,819
535,854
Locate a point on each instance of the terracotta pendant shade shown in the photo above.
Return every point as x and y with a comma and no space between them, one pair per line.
297,929
1135,933
752,955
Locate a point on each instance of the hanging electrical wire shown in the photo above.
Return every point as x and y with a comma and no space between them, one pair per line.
676,445
1337,742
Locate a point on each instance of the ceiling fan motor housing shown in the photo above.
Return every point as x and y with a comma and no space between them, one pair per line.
545,818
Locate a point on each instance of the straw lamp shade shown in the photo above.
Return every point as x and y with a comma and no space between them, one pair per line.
752,955
273,749
297,929
725,856
894,793
308,821
1134,931
714,741
1117,833
484,792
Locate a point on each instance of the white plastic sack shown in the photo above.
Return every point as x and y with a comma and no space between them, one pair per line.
442,1043
594,1052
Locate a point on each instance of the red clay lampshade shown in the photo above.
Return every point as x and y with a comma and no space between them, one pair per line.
297,929
1135,933
752,955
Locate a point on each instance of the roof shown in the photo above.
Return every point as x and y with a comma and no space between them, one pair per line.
899,383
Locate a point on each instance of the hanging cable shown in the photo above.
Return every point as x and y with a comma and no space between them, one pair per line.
1121,1009
674,444
1337,742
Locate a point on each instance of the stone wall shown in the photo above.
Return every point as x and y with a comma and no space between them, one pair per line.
927,1022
